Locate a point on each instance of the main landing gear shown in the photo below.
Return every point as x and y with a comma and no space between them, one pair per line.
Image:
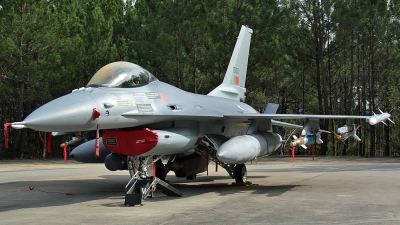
208,149
141,165
142,184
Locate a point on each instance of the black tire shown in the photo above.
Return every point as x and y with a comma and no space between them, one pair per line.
191,177
160,170
240,173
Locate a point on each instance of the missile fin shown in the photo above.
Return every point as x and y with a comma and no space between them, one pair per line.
356,137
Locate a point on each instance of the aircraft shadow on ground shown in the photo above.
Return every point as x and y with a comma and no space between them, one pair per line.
52,193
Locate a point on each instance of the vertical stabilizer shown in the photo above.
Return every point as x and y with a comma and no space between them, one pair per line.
233,86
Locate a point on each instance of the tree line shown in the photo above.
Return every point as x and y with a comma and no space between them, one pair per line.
310,56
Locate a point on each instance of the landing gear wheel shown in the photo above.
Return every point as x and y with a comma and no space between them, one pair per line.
191,177
160,170
240,173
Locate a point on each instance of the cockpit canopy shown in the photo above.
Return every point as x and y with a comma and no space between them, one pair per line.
121,74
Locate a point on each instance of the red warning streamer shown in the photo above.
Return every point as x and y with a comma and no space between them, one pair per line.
293,157
49,141
154,171
312,152
65,154
154,176
96,115
6,125
97,150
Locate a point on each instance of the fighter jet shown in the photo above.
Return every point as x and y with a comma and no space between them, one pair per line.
148,122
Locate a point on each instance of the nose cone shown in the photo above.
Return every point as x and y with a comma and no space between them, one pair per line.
72,112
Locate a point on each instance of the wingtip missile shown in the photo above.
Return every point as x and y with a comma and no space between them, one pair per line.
377,118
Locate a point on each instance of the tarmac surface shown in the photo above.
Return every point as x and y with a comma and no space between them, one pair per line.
329,190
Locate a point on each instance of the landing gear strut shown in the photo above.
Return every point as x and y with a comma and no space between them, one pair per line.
141,164
133,165
208,149
143,184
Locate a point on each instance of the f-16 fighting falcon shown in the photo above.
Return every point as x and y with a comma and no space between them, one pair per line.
147,122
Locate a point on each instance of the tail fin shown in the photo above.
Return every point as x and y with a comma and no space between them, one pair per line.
233,86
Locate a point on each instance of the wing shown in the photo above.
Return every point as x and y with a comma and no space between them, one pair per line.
372,120
376,118
284,124
295,116
311,126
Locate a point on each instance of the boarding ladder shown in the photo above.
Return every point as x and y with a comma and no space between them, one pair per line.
138,189
208,149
